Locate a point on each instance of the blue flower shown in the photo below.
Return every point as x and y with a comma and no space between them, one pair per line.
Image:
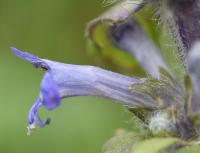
160,97
66,80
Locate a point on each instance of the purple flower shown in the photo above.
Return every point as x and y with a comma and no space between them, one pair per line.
66,80
163,102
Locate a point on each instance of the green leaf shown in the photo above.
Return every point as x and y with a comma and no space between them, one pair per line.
122,142
190,149
154,145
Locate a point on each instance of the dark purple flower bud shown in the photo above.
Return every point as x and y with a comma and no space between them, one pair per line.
66,80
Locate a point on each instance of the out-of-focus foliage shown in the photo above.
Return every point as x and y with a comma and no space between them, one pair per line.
154,145
122,142
189,149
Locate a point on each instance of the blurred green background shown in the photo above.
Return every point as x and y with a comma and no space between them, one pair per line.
53,30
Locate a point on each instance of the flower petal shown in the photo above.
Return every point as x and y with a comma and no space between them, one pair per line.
75,80
66,80
33,118
37,62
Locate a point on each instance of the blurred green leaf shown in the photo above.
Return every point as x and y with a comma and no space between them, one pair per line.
190,149
122,142
153,145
